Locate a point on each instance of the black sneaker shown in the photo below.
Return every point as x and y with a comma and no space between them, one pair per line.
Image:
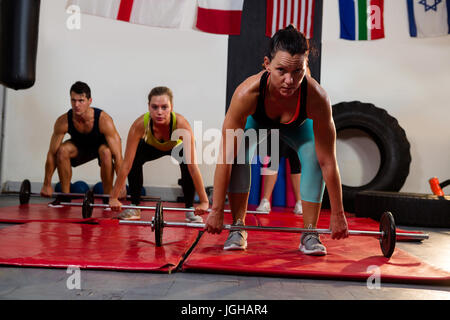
57,202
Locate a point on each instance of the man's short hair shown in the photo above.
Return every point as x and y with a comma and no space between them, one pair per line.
80,88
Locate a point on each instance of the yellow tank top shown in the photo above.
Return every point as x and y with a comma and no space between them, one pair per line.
150,138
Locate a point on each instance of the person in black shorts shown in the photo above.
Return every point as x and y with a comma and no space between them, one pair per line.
153,135
92,136
270,178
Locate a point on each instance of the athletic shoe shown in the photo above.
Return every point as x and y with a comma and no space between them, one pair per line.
264,205
237,239
310,244
57,202
298,207
191,217
130,214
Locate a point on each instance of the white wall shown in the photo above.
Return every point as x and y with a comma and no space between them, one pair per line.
408,77
121,62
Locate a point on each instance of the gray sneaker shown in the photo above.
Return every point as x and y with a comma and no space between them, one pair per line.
191,217
310,244
130,214
237,239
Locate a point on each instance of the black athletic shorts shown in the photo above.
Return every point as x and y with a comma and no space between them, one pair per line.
85,154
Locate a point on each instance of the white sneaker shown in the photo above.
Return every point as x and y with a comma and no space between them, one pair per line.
298,207
264,205
191,217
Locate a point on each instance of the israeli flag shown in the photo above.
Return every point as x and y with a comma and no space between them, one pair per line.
428,18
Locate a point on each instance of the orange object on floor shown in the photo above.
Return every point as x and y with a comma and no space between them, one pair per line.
435,187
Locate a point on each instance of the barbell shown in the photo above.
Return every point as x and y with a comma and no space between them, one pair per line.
88,206
25,194
387,230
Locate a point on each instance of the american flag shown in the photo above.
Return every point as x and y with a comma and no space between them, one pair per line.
281,13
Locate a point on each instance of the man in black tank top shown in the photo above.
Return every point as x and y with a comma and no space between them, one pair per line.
92,136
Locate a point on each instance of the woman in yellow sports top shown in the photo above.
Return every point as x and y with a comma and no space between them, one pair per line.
149,138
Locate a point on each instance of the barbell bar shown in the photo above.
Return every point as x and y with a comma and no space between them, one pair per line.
25,194
387,230
88,205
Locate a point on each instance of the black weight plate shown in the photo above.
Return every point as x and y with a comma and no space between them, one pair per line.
158,224
87,201
25,192
389,237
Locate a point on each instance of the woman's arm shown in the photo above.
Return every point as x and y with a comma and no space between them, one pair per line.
135,133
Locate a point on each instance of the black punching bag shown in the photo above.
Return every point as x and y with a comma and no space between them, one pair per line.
19,26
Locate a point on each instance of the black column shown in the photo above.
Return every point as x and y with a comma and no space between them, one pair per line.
246,51
316,42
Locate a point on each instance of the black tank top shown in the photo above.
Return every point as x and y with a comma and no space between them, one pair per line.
93,138
260,115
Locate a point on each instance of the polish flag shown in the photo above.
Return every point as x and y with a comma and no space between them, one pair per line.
220,16
281,13
155,13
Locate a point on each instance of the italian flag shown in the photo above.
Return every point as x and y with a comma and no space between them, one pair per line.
361,19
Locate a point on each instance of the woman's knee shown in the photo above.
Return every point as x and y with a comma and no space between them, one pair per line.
312,183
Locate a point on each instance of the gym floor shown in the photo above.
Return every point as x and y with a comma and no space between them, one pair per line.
51,284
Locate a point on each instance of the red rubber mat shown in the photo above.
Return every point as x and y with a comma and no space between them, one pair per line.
277,254
100,244
90,246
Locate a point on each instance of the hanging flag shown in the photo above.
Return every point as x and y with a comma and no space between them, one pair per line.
155,13
428,18
281,13
220,16
361,19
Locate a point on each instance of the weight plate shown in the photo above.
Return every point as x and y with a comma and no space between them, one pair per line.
158,222
87,201
25,192
389,237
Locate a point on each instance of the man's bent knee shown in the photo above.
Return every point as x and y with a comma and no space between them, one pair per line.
105,156
63,154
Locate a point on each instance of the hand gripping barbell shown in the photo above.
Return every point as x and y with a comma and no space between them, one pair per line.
387,234
25,194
